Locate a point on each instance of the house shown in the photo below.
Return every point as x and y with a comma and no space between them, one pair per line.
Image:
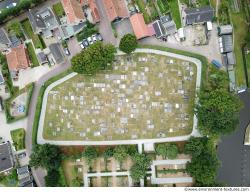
198,15
56,52
168,24
226,43
139,26
225,30
93,8
24,177
1,78
73,11
4,40
69,31
17,60
6,157
42,58
116,9
43,21
15,42
159,29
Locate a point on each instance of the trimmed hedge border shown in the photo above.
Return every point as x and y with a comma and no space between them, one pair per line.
9,117
40,100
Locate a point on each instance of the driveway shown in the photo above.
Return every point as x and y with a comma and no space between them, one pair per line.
73,46
105,26
123,27
39,173
234,155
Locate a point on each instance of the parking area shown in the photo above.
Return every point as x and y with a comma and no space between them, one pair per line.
123,27
73,46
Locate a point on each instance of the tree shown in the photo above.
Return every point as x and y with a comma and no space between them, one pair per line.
169,150
203,168
120,153
46,156
196,145
161,149
95,58
15,27
128,43
218,112
52,178
247,39
109,152
139,169
90,154
218,79
172,151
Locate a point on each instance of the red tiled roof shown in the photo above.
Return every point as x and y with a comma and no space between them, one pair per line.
17,58
94,10
141,30
116,8
73,11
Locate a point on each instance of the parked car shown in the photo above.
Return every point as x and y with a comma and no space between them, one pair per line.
99,37
66,50
90,40
82,46
94,37
85,42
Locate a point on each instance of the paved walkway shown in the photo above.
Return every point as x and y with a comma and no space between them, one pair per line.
41,140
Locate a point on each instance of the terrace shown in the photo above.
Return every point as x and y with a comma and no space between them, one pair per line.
109,106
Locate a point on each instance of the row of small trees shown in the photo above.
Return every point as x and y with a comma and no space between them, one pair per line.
21,6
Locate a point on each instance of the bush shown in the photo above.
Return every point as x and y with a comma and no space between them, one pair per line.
128,43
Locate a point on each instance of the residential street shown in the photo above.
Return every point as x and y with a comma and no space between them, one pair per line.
233,154
39,173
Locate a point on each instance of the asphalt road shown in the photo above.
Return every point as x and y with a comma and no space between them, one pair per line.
39,173
234,155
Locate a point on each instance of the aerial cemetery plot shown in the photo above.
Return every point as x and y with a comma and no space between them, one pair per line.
145,96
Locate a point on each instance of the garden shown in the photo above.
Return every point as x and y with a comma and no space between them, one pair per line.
18,137
32,55
58,10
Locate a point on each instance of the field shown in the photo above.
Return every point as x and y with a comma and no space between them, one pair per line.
32,55
240,31
29,32
145,96
18,137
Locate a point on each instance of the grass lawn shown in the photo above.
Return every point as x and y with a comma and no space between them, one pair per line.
58,10
213,3
18,137
143,10
32,55
117,112
29,32
247,56
240,31
175,12
9,180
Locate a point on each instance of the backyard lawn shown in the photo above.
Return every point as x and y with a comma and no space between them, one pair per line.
109,106
175,12
58,10
32,55
29,32
240,31
18,137
163,6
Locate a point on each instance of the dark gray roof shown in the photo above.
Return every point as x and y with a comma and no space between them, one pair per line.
165,18
25,180
22,170
1,78
199,15
227,43
230,58
170,27
4,39
15,42
6,157
42,58
42,19
159,29
226,29
56,52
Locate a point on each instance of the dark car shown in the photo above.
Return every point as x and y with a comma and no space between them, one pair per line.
99,37
21,155
85,42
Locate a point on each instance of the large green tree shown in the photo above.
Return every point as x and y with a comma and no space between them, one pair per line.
139,169
128,43
90,153
94,58
169,150
120,153
46,156
203,168
218,112
52,178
